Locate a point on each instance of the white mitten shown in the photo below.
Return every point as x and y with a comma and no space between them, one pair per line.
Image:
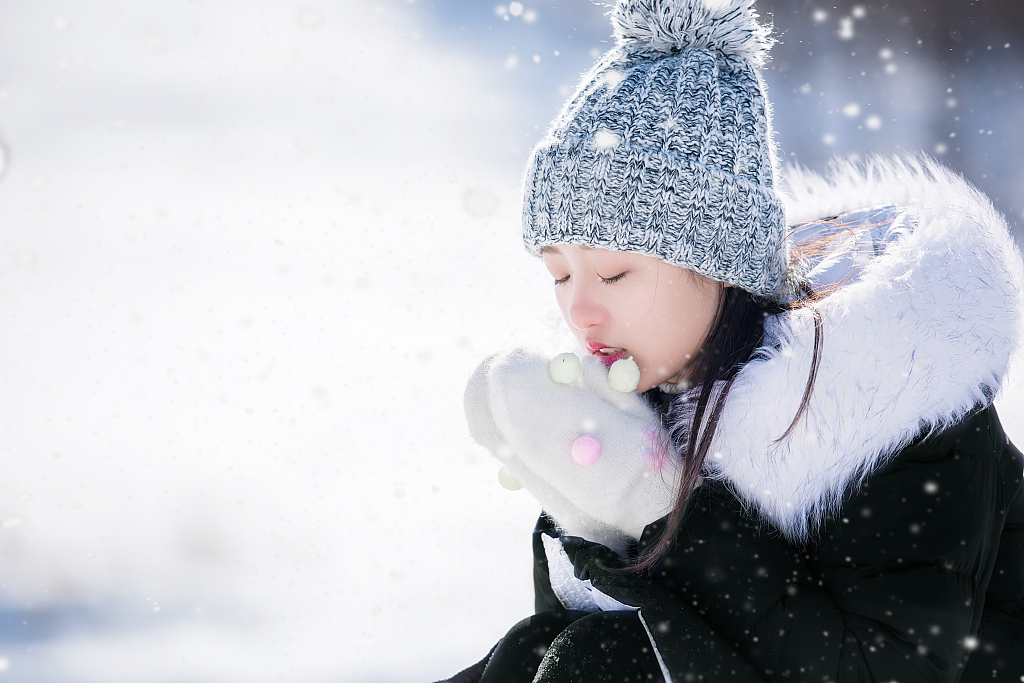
593,456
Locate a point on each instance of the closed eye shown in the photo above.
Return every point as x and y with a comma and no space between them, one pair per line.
611,280
562,281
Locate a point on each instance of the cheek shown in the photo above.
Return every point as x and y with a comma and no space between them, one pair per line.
668,347
563,301
681,325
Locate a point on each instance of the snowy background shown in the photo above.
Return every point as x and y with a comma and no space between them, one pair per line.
250,251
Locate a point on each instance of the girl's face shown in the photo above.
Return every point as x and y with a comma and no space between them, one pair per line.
620,304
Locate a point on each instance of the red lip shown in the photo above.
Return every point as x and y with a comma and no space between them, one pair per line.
607,360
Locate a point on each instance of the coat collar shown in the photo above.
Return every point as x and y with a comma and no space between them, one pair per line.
921,336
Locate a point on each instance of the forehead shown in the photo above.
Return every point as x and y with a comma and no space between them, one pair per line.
582,250
593,255
558,249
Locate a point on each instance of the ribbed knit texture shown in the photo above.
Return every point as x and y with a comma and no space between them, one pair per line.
666,148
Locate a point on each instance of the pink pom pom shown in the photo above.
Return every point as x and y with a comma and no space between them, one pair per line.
586,450
655,460
654,451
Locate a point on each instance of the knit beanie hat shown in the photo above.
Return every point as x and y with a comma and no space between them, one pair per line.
666,148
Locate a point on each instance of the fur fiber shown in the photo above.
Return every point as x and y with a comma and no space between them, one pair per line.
664,27
923,336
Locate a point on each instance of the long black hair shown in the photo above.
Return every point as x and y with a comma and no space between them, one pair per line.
733,340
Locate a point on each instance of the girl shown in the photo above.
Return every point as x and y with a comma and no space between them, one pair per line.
784,475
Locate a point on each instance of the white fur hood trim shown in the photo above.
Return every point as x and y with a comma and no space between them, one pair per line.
924,335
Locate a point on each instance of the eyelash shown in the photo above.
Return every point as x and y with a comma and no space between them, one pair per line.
605,280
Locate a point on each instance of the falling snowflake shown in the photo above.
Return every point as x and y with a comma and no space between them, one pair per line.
479,202
606,139
846,28
714,5
309,18
613,77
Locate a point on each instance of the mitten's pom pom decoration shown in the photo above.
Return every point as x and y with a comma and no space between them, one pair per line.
564,368
586,450
508,480
665,27
624,375
653,450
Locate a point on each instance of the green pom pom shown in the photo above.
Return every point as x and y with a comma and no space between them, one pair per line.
508,480
564,368
624,375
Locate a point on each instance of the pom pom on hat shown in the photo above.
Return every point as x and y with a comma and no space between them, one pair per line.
664,27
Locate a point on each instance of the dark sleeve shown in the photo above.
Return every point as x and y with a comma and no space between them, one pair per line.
999,651
544,598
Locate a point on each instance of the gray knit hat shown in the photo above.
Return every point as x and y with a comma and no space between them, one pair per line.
666,148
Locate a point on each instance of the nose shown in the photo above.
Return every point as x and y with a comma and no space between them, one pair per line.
585,309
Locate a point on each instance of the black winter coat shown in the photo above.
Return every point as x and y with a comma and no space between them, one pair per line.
918,577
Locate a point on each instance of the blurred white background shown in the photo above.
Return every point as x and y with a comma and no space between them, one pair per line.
249,254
